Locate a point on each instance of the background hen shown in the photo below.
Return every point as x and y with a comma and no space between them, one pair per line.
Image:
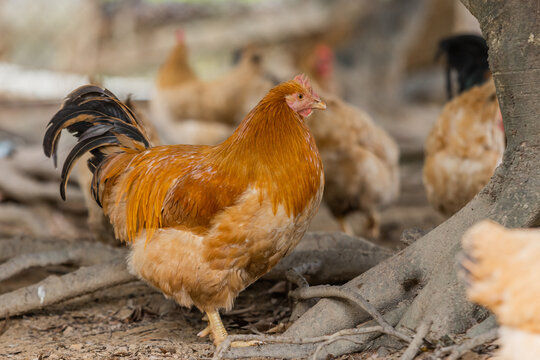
189,110
502,274
467,141
360,163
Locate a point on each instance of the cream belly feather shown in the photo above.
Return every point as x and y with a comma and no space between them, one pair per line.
209,270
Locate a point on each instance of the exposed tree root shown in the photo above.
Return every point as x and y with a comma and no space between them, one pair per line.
299,307
55,289
315,345
301,347
30,160
81,254
19,215
4,326
425,271
19,245
17,185
347,294
296,278
92,278
323,257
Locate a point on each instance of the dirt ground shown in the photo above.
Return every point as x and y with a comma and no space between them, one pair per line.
134,321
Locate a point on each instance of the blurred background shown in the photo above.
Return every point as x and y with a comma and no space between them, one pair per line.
383,62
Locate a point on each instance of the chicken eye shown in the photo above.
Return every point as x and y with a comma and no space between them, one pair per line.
300,96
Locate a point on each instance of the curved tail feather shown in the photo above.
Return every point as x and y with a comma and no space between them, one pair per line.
102,125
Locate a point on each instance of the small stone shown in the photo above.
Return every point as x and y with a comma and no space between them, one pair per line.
68,331
76,347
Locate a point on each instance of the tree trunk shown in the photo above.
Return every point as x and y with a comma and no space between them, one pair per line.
426,270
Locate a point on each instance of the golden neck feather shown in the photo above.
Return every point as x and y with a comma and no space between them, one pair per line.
274,150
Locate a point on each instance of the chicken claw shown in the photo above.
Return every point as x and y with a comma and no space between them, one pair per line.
215,328
204,332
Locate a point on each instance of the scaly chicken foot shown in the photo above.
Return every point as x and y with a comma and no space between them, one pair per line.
217,331
215,328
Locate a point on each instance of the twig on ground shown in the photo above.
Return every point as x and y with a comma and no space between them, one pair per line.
299,307
269,339
240,311
345,293
456,351
343,335
296,278
322,341
417,341
287,347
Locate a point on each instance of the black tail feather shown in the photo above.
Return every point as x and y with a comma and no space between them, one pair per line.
468,56
78,150
99,120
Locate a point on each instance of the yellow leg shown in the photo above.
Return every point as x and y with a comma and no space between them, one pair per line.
215,328
373,225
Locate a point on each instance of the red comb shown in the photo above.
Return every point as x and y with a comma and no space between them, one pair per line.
180,36
303,80
324,51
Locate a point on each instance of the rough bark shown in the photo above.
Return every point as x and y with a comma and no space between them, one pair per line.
330,258
425,270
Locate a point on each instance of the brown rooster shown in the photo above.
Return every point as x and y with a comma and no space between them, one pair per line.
204,222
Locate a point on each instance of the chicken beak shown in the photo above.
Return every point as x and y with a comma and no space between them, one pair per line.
319,105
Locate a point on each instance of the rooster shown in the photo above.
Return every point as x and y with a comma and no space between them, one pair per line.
203,222
502,269
467,141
